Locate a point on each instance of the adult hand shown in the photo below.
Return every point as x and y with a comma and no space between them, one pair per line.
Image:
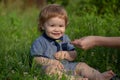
85,42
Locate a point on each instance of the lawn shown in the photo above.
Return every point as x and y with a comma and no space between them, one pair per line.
18,29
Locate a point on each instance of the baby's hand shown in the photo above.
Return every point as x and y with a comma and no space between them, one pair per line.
58,64
60,55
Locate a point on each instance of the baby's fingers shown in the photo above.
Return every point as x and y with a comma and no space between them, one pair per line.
60,66
56,56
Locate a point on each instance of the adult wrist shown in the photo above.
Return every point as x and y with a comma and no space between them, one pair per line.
99,41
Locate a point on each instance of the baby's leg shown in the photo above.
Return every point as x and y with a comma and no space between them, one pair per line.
86,71
76,78
53,70
108,74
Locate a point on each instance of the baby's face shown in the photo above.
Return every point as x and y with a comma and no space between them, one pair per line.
54,27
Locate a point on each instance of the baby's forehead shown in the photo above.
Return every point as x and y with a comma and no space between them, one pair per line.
56,19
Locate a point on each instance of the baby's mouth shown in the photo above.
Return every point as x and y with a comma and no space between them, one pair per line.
56,34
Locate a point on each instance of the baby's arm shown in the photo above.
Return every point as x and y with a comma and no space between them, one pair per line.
45,61
69,55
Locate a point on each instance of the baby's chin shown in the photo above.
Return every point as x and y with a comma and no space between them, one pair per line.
56,37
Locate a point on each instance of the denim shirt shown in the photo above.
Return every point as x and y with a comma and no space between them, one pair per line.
47,47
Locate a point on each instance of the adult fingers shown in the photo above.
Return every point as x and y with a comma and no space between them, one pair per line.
77,42
74,42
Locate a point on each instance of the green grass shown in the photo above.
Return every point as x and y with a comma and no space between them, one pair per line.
18,29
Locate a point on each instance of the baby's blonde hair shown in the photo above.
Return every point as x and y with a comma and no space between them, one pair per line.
50,11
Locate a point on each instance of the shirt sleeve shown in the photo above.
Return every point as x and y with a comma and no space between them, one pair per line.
69,47
36,48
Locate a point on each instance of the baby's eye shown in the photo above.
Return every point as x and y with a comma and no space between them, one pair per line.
52,25
61,26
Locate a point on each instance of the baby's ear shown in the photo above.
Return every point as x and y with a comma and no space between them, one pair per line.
42,27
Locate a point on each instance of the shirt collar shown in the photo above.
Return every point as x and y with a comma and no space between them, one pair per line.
50,39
